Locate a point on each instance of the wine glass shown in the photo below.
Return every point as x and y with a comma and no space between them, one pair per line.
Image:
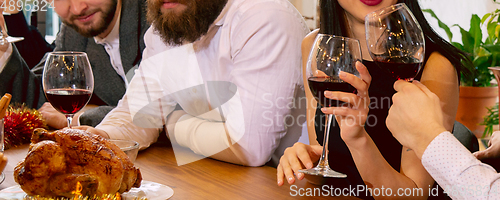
68,81
395,41
329,56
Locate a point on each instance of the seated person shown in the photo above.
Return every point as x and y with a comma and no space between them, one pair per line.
362,147
416,121
34,46
233,66
113,42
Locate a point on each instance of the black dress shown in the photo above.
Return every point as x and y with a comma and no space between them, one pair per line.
380,92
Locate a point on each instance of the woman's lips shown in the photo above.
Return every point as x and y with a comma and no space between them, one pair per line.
371,2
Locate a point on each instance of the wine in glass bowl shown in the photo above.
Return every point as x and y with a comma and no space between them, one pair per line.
68,82
395,41
404,68
68,101
319,85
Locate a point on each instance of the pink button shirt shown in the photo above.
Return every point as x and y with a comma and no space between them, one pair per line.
458,172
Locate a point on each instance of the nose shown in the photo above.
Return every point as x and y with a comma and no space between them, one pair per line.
78,7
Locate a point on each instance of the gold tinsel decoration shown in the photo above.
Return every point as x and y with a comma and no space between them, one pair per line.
19,123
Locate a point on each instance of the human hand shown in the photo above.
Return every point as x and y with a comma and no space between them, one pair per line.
415,117
3,162
295,158
493,150
53,117
352,118
3,28
93,130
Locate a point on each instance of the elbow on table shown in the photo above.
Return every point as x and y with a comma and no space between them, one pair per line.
256,157
257,163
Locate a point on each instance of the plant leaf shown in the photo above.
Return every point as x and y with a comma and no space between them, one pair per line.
467,40
491,27
486,16
475,30
492,47
440,23
497,31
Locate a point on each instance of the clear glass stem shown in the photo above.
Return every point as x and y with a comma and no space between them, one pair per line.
69,117
323,168
323,161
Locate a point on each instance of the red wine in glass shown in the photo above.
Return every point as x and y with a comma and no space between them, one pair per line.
400,68
319,85
68,82
68,101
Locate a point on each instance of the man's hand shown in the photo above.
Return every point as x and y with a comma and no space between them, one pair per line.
493,151
3,45
3,162
53,117
57,120
93,130
415,118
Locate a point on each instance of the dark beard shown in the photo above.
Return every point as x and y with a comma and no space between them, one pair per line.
188,26
101,24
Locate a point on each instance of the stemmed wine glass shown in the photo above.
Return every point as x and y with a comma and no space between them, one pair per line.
68,82
329,56
395,41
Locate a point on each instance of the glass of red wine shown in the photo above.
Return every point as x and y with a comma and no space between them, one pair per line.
68,81
329,56
395,41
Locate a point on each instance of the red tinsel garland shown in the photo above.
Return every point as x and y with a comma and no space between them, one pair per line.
19,123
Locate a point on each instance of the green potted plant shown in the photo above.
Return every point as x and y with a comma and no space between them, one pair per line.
476,91
489,121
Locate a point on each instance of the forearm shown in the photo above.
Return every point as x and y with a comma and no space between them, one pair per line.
18,80
118,124
218,140
458,172
375,170
5,53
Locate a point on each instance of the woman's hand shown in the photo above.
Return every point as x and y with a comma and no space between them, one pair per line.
295,158
352,118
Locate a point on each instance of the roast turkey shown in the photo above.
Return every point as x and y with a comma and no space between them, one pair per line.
58,161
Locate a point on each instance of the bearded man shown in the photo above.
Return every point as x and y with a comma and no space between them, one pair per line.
111,32
234,69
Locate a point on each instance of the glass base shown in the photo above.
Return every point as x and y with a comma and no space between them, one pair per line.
325,172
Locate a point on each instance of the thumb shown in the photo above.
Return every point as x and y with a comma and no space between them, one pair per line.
482,154
316,149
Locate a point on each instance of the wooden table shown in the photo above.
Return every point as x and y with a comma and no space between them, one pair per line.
203,179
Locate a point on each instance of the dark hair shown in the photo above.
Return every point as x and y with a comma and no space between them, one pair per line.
458,58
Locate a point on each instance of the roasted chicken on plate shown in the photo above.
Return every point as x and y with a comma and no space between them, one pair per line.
59,161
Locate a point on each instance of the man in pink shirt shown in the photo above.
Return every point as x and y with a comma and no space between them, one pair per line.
415,120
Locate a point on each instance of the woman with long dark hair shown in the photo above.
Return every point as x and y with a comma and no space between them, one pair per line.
367,152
